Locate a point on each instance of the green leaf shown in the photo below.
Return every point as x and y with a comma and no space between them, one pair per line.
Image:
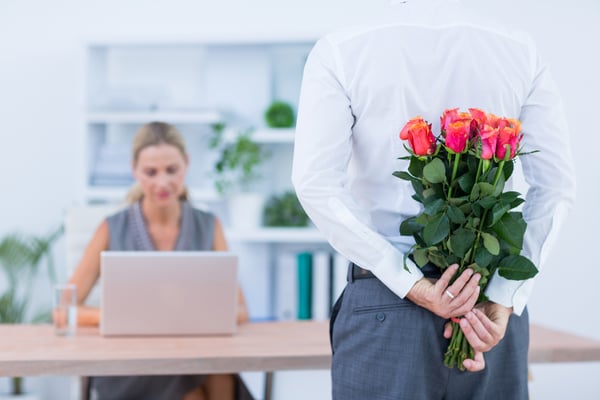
416,167
404,175
466,182
498,212
483,257
508,169
437,258
509,197
499,185
434,207
461,241
486,189
436,229
427,193
490,243
420,257
487,202
456,215
435,171
410,226
517,268
511,228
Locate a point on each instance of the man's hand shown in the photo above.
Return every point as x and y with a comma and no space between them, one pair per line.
484,327
447,300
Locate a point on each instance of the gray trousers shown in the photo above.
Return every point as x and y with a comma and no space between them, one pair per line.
387,348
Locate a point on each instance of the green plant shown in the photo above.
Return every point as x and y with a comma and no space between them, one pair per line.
20,260
280,115
238,161
284,210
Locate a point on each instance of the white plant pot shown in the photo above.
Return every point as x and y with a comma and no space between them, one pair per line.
245,211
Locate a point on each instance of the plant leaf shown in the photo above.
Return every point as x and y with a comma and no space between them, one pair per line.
416,167
498,212
461,241
483,257
434,206
420,257
517,267
410,226
456,215
404,175
435,171
490,243
436,229
511,228
437,258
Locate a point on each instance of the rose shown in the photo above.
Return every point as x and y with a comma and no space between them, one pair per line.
457,135
509,133
457,128
488,137
419,136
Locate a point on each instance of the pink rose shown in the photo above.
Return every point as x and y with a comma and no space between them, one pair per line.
489,139
457,135
509,133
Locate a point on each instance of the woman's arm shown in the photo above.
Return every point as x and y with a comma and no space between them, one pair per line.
86,274
220,244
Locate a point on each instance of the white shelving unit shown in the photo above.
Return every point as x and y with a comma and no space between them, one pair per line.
192,84
195,84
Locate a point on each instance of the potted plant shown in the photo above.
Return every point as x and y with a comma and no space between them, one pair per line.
20,260
280,115
284,210
236,170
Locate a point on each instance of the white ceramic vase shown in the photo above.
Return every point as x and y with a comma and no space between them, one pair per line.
245,211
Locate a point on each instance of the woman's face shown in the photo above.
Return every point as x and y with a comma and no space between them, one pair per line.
160,170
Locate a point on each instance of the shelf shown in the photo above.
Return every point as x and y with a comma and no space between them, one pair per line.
108,194
267,135
175,117
276,235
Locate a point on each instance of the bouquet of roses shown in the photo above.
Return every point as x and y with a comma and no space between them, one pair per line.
467,217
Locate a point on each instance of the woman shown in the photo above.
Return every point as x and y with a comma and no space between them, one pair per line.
159,217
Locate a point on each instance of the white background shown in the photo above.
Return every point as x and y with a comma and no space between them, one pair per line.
41,121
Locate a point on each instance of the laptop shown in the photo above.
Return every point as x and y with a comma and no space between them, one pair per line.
168,293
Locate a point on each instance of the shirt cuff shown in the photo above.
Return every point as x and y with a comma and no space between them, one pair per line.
391,271
509,293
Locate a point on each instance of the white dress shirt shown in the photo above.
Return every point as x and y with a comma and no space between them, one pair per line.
362,84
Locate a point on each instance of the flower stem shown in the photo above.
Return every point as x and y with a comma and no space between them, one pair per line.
498,172
458,349
454,170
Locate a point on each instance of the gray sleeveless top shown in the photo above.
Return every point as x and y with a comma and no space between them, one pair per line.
128,231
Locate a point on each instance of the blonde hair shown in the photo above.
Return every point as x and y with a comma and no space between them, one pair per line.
153,134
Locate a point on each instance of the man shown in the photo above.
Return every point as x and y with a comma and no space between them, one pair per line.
360,86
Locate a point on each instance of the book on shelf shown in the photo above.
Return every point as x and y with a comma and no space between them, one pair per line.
305,261
307,284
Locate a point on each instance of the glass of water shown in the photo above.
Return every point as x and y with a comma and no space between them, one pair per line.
64,312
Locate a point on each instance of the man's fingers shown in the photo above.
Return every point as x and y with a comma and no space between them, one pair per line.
444,280
448,330
475,364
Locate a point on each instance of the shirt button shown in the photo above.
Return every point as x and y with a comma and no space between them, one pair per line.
380,316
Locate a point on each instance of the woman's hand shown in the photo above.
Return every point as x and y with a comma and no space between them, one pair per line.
447,300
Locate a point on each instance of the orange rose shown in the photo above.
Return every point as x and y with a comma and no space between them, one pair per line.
419,136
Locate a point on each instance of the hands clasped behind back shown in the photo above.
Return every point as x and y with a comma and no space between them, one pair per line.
444,299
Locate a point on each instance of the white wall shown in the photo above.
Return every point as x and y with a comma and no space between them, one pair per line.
41,107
